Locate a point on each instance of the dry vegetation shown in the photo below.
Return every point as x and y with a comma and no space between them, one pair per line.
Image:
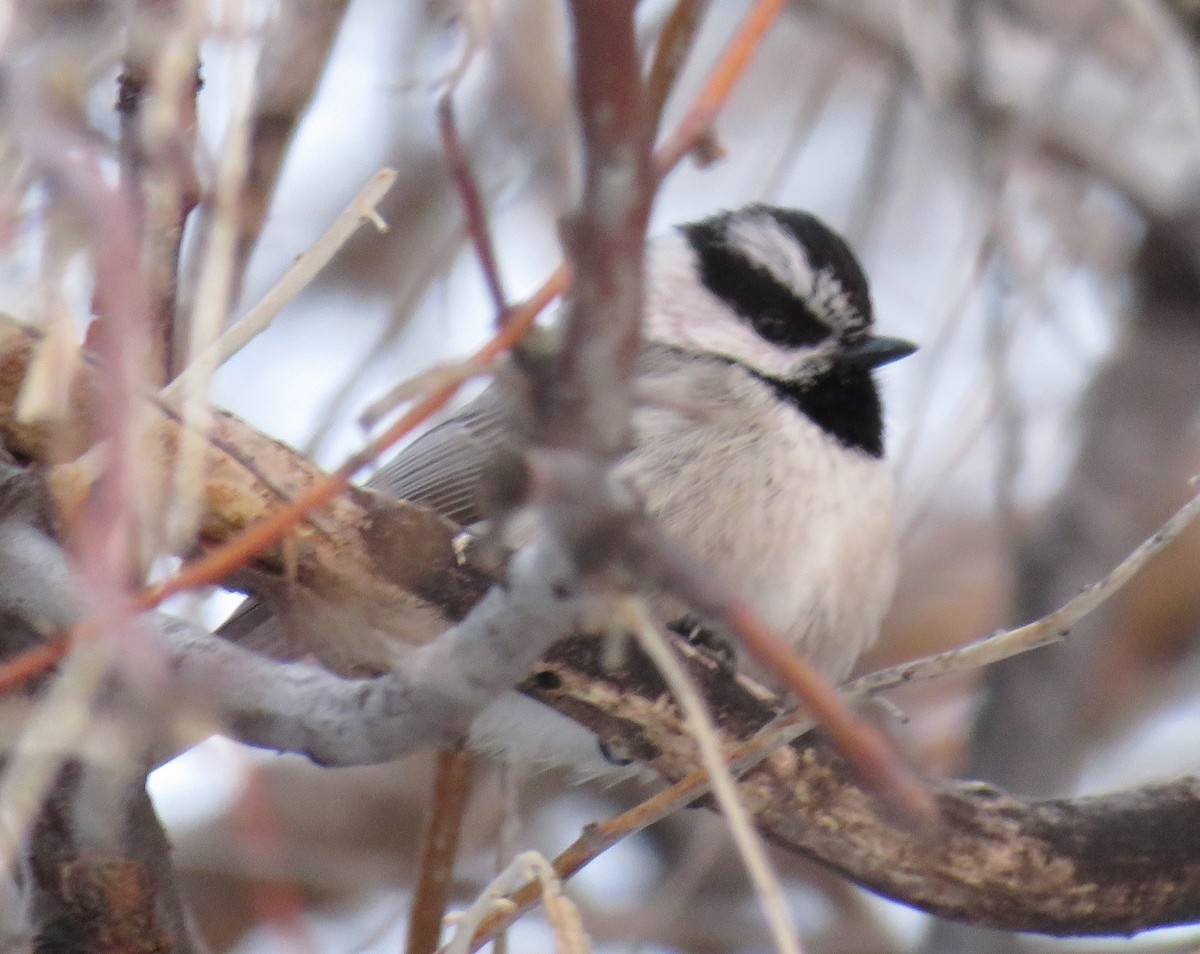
1022,179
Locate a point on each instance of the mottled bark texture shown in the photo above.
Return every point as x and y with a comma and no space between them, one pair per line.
1110,865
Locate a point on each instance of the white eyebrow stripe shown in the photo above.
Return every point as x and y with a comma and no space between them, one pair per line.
830,301
775,250
767,244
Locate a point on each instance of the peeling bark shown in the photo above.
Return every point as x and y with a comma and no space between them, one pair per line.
1116,864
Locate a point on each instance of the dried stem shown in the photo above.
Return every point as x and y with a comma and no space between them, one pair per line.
1042,632
738,55
674,44
533,869
448,806
459,164
362,208
703,729
209,313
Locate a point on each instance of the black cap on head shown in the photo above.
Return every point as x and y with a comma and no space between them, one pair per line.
786,272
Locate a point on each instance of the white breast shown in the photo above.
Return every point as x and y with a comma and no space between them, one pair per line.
801,526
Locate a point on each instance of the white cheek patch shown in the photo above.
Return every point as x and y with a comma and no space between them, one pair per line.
682,313
774,249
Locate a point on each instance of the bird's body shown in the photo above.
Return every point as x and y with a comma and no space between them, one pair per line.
758,442
801,528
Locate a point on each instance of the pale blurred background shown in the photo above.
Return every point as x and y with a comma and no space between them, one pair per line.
1021,180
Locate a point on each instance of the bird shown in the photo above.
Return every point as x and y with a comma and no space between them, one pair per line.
758,445
758,439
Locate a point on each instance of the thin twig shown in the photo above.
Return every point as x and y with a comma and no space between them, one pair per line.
448,808
738,54
23,667
704,731
362,208
545,883
210,311
1049,629
459,164
451,373
674,43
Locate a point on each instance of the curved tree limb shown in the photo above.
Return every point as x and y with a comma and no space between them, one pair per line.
1116,864
1111,865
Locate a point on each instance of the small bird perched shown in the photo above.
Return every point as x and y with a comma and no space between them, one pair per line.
758,446
758,436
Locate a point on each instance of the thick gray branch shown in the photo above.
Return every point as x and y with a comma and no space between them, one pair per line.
1117,864
430,700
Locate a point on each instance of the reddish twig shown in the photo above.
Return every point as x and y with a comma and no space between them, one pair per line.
862,745
674,44
451,791
739,52
459,164
17,671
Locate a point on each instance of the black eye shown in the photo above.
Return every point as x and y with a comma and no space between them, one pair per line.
773,309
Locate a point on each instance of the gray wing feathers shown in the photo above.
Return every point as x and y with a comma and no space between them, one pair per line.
441,469
254,626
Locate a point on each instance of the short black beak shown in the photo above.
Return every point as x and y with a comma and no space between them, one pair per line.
875,351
